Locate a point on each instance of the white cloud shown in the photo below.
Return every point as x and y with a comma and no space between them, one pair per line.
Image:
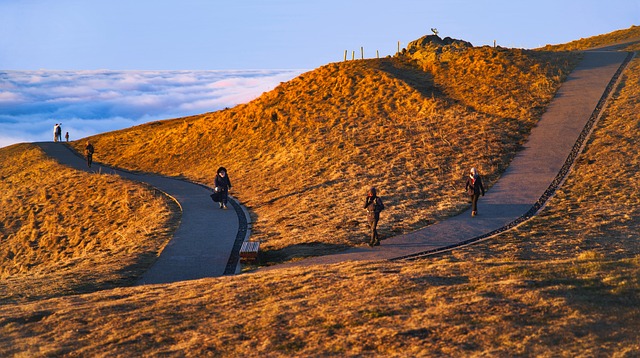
90,102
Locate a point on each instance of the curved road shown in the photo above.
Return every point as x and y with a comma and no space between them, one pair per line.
206,241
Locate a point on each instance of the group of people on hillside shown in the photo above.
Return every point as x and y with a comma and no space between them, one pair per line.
57,133
373,204
88,149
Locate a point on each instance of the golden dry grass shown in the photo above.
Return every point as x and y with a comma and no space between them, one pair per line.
612,38
565,284
596,212
65,232
301,157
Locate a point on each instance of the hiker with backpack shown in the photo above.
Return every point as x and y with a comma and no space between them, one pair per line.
373,204
88,151
474,188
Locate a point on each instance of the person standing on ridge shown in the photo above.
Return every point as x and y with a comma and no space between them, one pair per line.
223,184
66,136
474,188
373,204
88,151
55,133
59,132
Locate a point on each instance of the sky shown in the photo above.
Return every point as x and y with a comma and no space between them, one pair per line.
88,102
277,34
103,65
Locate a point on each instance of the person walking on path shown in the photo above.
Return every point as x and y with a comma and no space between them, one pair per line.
88,151
474,188
55,132
373,204
223,185
66,136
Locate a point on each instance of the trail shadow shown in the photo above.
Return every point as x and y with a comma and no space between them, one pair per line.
412,75
304,190
432,280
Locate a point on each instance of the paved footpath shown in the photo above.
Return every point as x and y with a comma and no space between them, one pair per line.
205,243
527,179
208,239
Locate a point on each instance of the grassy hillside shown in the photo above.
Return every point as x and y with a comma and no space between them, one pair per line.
613,38
65,232
564,284
301,157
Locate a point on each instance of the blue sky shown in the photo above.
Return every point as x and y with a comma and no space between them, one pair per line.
276,34
123,60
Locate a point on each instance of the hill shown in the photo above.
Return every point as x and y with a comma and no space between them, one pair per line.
564,284
614,38
303,155
67,232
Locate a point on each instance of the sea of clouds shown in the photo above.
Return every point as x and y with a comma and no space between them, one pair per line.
90,102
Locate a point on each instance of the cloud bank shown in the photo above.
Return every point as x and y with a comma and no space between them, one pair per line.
90,102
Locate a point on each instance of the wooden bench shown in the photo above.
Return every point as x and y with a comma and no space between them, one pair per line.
249,251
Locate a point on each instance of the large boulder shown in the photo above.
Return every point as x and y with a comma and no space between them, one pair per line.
435,42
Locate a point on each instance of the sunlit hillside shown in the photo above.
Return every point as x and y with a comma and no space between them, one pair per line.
613,38
65,232
564,284
302,156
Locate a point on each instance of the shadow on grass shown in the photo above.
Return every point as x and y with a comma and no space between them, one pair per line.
302,191
432,280
419,80
299,251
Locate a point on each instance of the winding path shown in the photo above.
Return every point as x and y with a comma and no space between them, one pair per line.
206,243
529,181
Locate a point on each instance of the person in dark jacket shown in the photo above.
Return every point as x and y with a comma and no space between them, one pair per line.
373,204
222,184
88,150
474,188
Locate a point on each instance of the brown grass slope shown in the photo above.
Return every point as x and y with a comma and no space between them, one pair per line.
65,232
564,284
612,38
302,155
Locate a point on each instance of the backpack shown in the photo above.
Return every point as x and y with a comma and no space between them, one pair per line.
378,206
